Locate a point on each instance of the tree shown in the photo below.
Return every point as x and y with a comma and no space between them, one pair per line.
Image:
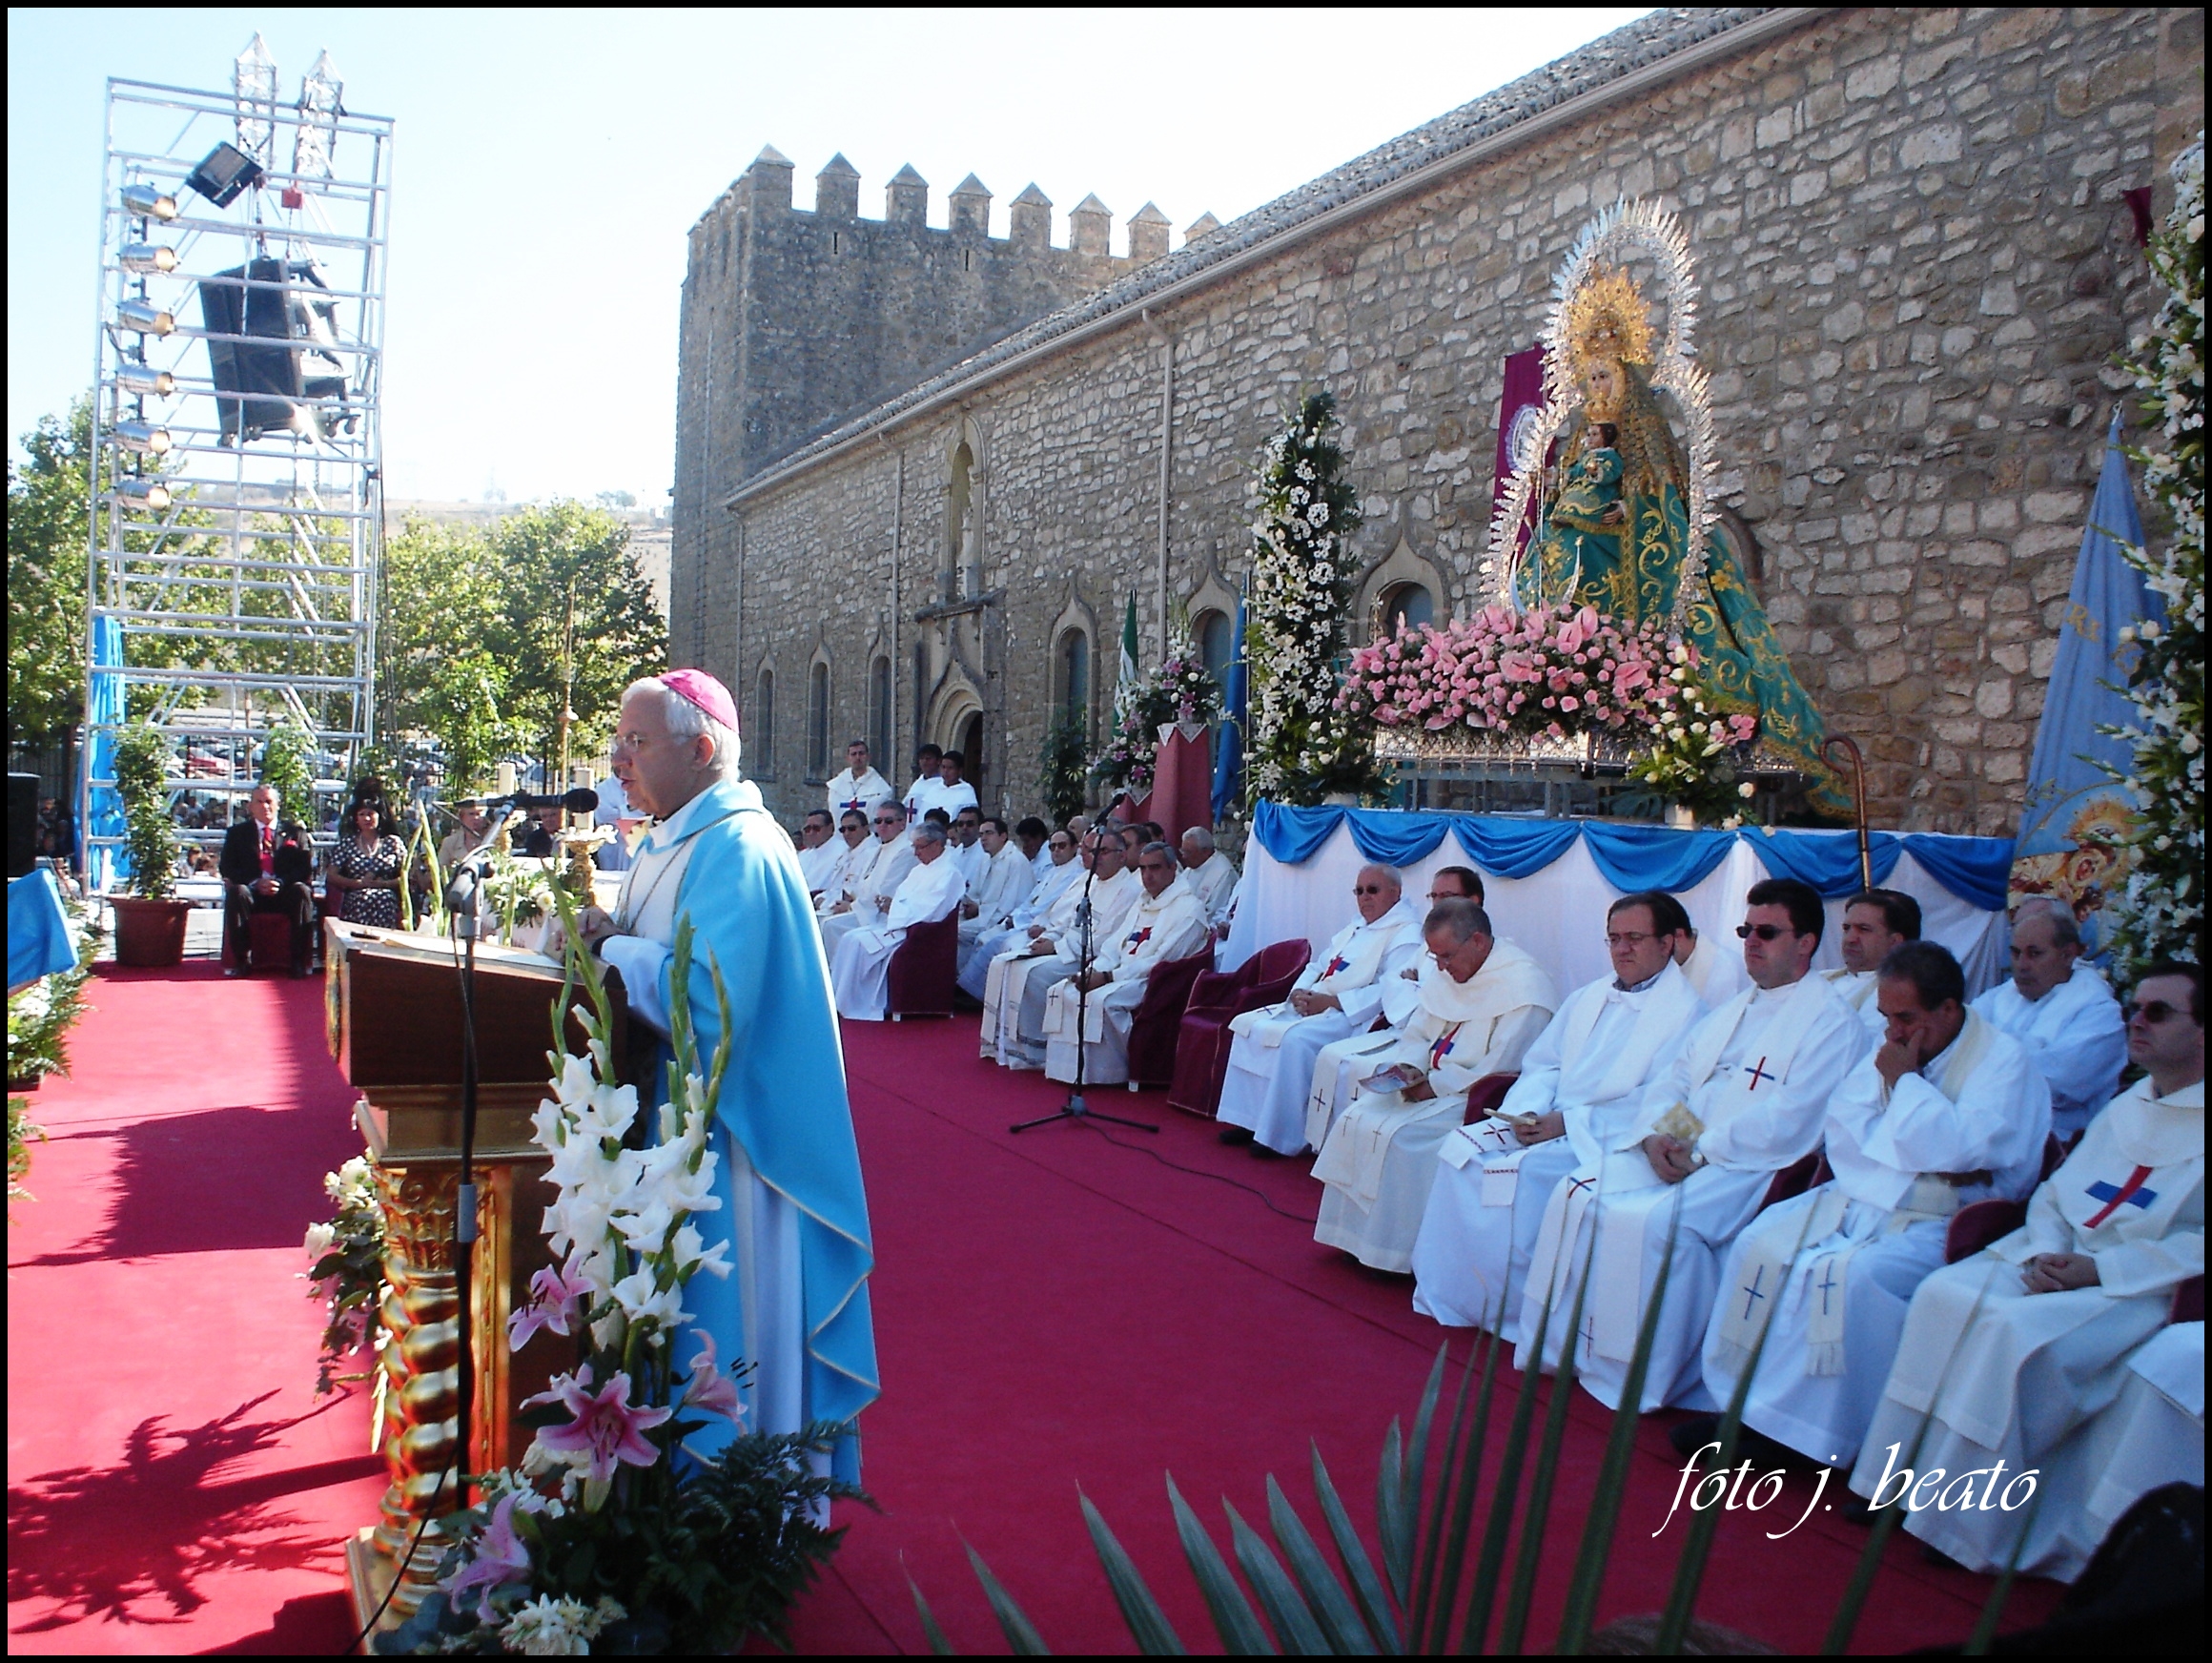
576,622
490,639
46,539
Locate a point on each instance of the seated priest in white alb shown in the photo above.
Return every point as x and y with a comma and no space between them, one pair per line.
1013,1020
1480,1008
860,971
2006,1355
819,850
1208,874
1876,924
1581,1085
1948,1112
1340,994
1717,975
1061,869
2062,1011
965,845
1342,1064
1095,1009
851,851
1003,883
869,892
859,788
1742,1100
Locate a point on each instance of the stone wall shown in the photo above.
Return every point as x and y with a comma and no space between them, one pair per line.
1917,262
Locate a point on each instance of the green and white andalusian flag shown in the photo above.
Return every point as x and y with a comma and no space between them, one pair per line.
1125,687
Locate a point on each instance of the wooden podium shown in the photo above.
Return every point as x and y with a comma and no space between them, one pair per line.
395,1025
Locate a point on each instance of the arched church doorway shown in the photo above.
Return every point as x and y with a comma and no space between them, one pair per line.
971,747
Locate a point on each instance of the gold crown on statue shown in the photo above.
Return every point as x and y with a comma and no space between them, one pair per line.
1607,318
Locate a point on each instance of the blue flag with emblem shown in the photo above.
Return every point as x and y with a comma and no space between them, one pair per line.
2075,812
1229,736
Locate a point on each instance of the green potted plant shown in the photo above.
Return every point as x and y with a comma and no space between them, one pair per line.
149,921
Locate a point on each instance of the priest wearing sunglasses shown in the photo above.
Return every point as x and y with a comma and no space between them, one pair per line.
1743,1098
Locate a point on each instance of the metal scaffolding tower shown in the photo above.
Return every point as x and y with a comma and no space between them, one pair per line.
236,494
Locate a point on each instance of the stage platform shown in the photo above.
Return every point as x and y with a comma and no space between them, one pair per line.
1550,881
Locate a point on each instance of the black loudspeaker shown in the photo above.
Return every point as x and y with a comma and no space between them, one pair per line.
278,301
22,823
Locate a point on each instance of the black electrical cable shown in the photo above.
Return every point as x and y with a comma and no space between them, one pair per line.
1265,1200
400,1570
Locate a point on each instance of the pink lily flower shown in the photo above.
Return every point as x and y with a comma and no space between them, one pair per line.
606,1427
500,1558
558,1298
710,1390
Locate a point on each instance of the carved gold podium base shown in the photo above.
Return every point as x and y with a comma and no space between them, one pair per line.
420,1363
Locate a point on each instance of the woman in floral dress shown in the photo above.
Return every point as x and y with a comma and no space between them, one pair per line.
364,868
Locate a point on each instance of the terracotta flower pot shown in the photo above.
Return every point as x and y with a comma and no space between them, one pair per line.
148,934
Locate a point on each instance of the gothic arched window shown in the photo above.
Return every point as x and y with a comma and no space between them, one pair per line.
818,721
1216,640
879,734
1072,673
763,729
1408,603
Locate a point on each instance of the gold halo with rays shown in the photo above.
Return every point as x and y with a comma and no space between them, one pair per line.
1607,318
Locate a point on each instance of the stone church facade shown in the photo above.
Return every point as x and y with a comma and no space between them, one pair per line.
920,472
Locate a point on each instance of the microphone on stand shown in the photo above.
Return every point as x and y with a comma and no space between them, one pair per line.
580,801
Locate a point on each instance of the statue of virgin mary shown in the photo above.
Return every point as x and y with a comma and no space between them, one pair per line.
1614,532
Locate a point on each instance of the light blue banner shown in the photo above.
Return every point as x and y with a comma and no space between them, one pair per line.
2075,808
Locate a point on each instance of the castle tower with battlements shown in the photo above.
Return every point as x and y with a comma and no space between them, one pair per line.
795,319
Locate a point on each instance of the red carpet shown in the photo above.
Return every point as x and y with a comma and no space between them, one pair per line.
1053,1311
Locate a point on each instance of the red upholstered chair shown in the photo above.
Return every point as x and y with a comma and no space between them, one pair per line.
268,941
1154,1029
1202,1045
1485,1094
2188,1305
1975,1227
922,971
1795,1179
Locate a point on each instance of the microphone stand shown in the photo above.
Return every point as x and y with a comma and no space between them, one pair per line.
462,905
1075,1108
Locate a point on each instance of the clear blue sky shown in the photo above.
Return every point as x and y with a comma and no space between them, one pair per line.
572,150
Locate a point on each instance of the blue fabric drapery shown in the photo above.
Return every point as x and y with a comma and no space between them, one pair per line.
1638,857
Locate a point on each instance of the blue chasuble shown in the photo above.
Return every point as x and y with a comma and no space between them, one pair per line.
783,1099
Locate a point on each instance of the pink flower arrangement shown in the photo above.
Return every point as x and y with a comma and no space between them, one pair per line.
1552,670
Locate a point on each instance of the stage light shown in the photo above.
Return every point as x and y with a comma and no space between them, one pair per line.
145,318
223,173
142,436
139,379
148,202
143,493
147,257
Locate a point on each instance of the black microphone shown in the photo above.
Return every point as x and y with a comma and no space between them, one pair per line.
580,801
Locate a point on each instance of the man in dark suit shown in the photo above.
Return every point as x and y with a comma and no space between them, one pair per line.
267,869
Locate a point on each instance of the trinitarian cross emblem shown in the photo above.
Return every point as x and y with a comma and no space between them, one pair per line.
1751,1294
2132,1193
1445,1042
1758,1072
1336,964
1138,938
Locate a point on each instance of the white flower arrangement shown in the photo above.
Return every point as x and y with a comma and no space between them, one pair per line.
2160,913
